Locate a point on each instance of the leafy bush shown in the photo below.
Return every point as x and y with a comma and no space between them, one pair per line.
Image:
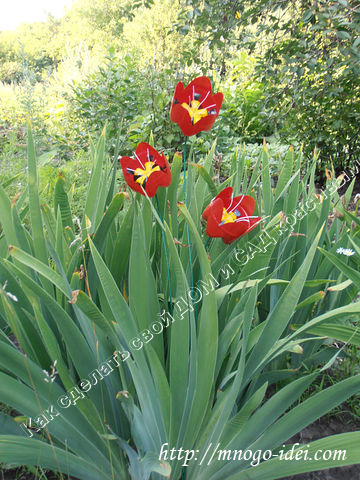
73,293
11,72
132,103
243,114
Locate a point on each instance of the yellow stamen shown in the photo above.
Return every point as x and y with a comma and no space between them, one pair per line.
145,174
227,217
195,113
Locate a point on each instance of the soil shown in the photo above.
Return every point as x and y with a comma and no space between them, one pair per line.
356,189
19,475
324,427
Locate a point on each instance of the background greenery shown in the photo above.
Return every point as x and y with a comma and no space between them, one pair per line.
289,71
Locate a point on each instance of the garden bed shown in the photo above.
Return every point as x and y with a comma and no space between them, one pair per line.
322,428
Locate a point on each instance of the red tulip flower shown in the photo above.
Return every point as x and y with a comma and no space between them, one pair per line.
230,217
195,108
147,171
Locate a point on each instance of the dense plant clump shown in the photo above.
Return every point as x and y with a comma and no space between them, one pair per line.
111,319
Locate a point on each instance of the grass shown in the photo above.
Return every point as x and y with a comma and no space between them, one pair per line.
75,171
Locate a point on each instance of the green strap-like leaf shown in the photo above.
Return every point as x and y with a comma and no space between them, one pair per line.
27,451
338,331
280,316
61,200
345,448
348,271
34,202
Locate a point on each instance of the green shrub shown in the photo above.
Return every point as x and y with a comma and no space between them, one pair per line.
132,102
243,113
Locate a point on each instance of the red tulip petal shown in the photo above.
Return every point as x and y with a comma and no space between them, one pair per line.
127,162
182,118
198,89
235,229
226,196
206,212
145,152
143,148
217,99
179,98
204,124
244,202
214,101
254,222
201,85
214,218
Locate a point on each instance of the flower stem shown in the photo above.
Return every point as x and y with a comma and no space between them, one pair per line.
187,226
166,256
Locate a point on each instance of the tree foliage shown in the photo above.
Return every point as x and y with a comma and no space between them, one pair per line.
42,45
308,61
